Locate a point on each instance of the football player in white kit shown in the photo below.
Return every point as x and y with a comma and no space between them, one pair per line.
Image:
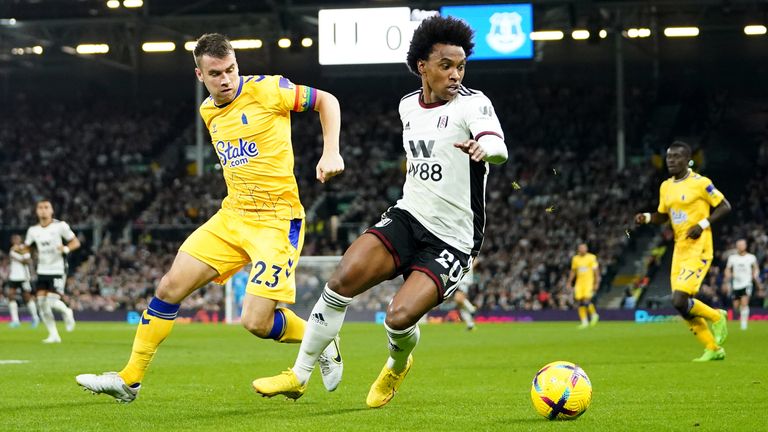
18,278
48,237
431,235
740,272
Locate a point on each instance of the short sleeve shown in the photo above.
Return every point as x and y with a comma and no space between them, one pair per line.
573,264
713,196
294,97
66,232
481,119
662,205
28,240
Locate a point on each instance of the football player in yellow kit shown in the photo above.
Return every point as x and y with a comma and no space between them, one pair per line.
261,218
685,199
585,270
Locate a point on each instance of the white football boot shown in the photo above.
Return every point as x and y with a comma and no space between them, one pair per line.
109,383
331,365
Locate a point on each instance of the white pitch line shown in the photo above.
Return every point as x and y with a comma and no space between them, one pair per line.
2,362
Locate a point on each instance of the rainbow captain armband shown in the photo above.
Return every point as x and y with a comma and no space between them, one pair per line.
306,97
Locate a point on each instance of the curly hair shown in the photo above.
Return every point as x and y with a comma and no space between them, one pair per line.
435,30
212,44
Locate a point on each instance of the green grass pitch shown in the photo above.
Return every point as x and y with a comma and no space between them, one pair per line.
642,377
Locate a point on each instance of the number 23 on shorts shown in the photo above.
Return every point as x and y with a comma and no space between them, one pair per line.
269,275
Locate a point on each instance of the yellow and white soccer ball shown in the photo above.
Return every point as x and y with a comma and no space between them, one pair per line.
561,391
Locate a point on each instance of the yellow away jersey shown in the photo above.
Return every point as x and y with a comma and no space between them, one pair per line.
688,201
584,266
252,139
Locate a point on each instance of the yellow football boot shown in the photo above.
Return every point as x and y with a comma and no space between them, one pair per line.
285,384
386,385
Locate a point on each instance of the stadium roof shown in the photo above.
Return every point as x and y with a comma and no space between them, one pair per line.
55,26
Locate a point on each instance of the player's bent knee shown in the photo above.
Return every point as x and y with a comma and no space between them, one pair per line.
680,303
341,284
400,318
170,289
258,326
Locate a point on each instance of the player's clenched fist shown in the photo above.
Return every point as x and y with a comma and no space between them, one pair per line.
329,166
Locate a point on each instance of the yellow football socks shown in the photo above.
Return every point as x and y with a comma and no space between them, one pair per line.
583,313
592,311
155,325
288,327
700,329
700,309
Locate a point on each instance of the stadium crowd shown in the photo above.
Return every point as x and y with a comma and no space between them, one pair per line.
559,187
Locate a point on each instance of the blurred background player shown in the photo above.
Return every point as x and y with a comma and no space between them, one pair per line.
466,308
261,220
19,279
685,199
432,234
585,270
48,238
740,271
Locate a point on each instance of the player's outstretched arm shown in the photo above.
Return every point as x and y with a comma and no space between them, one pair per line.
718,213
331,163
491,149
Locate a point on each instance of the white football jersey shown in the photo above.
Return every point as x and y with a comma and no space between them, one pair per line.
19,271
444,189
741,270
48,241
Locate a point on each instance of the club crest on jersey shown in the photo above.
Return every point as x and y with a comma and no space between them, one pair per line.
442,122
236,155
678,216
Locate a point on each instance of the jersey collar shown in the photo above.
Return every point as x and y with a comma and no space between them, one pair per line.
688,174
430,105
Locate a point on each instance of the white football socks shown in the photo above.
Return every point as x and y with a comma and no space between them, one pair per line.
323,325
467,317
401,344
32,308
57,305
13,308
47,317
744,315
468,306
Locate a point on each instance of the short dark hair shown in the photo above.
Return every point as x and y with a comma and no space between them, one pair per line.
682,145
212,44
435,30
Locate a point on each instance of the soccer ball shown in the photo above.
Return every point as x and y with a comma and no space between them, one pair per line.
561,391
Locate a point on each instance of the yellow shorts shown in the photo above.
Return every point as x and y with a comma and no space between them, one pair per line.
228,241
688,274
582,292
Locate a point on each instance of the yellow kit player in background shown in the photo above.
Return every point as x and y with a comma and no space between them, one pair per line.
260,221
586,271
685,199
